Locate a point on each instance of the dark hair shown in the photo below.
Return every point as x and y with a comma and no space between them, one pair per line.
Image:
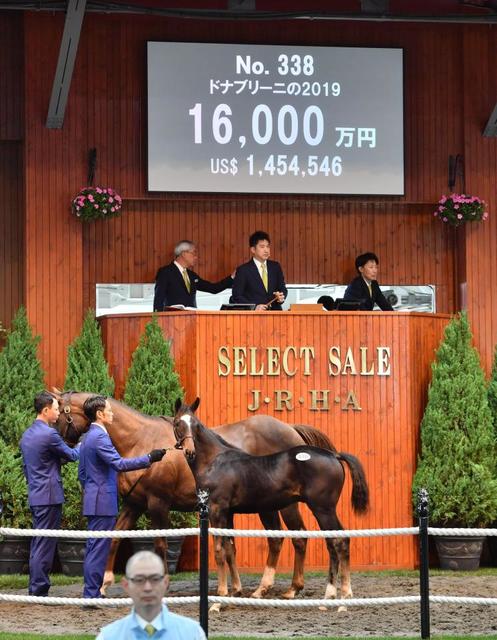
257,236
361,260
42,400
92,405
327,302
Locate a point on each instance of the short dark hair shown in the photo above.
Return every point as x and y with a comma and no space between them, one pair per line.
361,260
93,404
42,400
257,236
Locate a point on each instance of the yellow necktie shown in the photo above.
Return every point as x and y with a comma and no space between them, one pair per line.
264,275
187,280
150,629
370,289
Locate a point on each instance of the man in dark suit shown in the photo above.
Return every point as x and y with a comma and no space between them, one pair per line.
43,451
99,465
177,283
365,287
260,281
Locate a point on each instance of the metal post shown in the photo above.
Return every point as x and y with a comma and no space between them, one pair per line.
424,569
203,507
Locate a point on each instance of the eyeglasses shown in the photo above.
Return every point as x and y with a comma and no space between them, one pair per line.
140,580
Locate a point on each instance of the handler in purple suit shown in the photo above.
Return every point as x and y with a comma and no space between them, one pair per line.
99,465
43,451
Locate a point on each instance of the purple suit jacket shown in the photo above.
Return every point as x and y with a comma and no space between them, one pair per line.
43,450
99,465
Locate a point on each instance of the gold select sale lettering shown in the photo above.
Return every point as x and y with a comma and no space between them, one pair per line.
293,361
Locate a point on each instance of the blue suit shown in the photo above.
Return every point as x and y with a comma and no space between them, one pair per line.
99,465
43,450
248,286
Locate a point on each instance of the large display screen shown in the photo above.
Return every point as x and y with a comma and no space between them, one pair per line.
275,119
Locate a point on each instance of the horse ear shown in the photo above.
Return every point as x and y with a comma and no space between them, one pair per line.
177,404
57,392
195,404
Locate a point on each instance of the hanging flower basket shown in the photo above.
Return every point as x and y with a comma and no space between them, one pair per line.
95,203
457,209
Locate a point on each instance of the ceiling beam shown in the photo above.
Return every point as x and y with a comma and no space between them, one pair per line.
65,64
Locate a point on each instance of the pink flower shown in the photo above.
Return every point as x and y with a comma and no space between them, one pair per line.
459,216
98,190
95,206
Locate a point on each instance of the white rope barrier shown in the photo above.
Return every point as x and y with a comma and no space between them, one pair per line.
340,533
62,533
90,602
437,531
195,531
314,602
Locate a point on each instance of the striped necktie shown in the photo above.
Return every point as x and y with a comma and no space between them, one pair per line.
187,280
264,275
150,629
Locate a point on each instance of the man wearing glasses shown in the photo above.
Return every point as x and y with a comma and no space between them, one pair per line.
146,585
177,283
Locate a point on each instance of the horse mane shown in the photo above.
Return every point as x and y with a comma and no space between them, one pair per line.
138,414
185,408
314,438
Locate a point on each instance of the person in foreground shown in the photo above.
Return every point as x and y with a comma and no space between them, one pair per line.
365,287
146,585
43,452
177,283
99,465
260,281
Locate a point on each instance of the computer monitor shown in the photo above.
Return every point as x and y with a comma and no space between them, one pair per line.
348,305
238,307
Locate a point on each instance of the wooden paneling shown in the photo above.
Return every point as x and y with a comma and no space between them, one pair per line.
383,433
12,231
11,75
314,237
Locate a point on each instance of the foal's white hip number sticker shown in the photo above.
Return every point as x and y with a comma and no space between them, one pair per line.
302,456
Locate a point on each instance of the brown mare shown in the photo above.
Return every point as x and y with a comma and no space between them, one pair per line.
169,484
241,483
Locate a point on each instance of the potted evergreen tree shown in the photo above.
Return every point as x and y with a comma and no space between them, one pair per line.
152,387
152,384
87,370
457,464
21,379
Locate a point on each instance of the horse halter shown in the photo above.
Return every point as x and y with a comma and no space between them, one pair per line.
69,420
180,441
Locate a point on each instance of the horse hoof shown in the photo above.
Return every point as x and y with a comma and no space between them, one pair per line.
323,608
215,608
259,594
342,609
291,593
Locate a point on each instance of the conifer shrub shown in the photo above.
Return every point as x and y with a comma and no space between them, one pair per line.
152,385
87,369
492,392
13,489
457,464
21,379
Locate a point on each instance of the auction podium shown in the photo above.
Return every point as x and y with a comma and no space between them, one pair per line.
360,377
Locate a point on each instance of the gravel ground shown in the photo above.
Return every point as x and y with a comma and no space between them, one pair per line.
391,620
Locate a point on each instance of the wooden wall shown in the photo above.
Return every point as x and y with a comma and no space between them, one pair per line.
11,167
381,427
450,89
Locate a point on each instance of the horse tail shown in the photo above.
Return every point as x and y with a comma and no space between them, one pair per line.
360,489
313,437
